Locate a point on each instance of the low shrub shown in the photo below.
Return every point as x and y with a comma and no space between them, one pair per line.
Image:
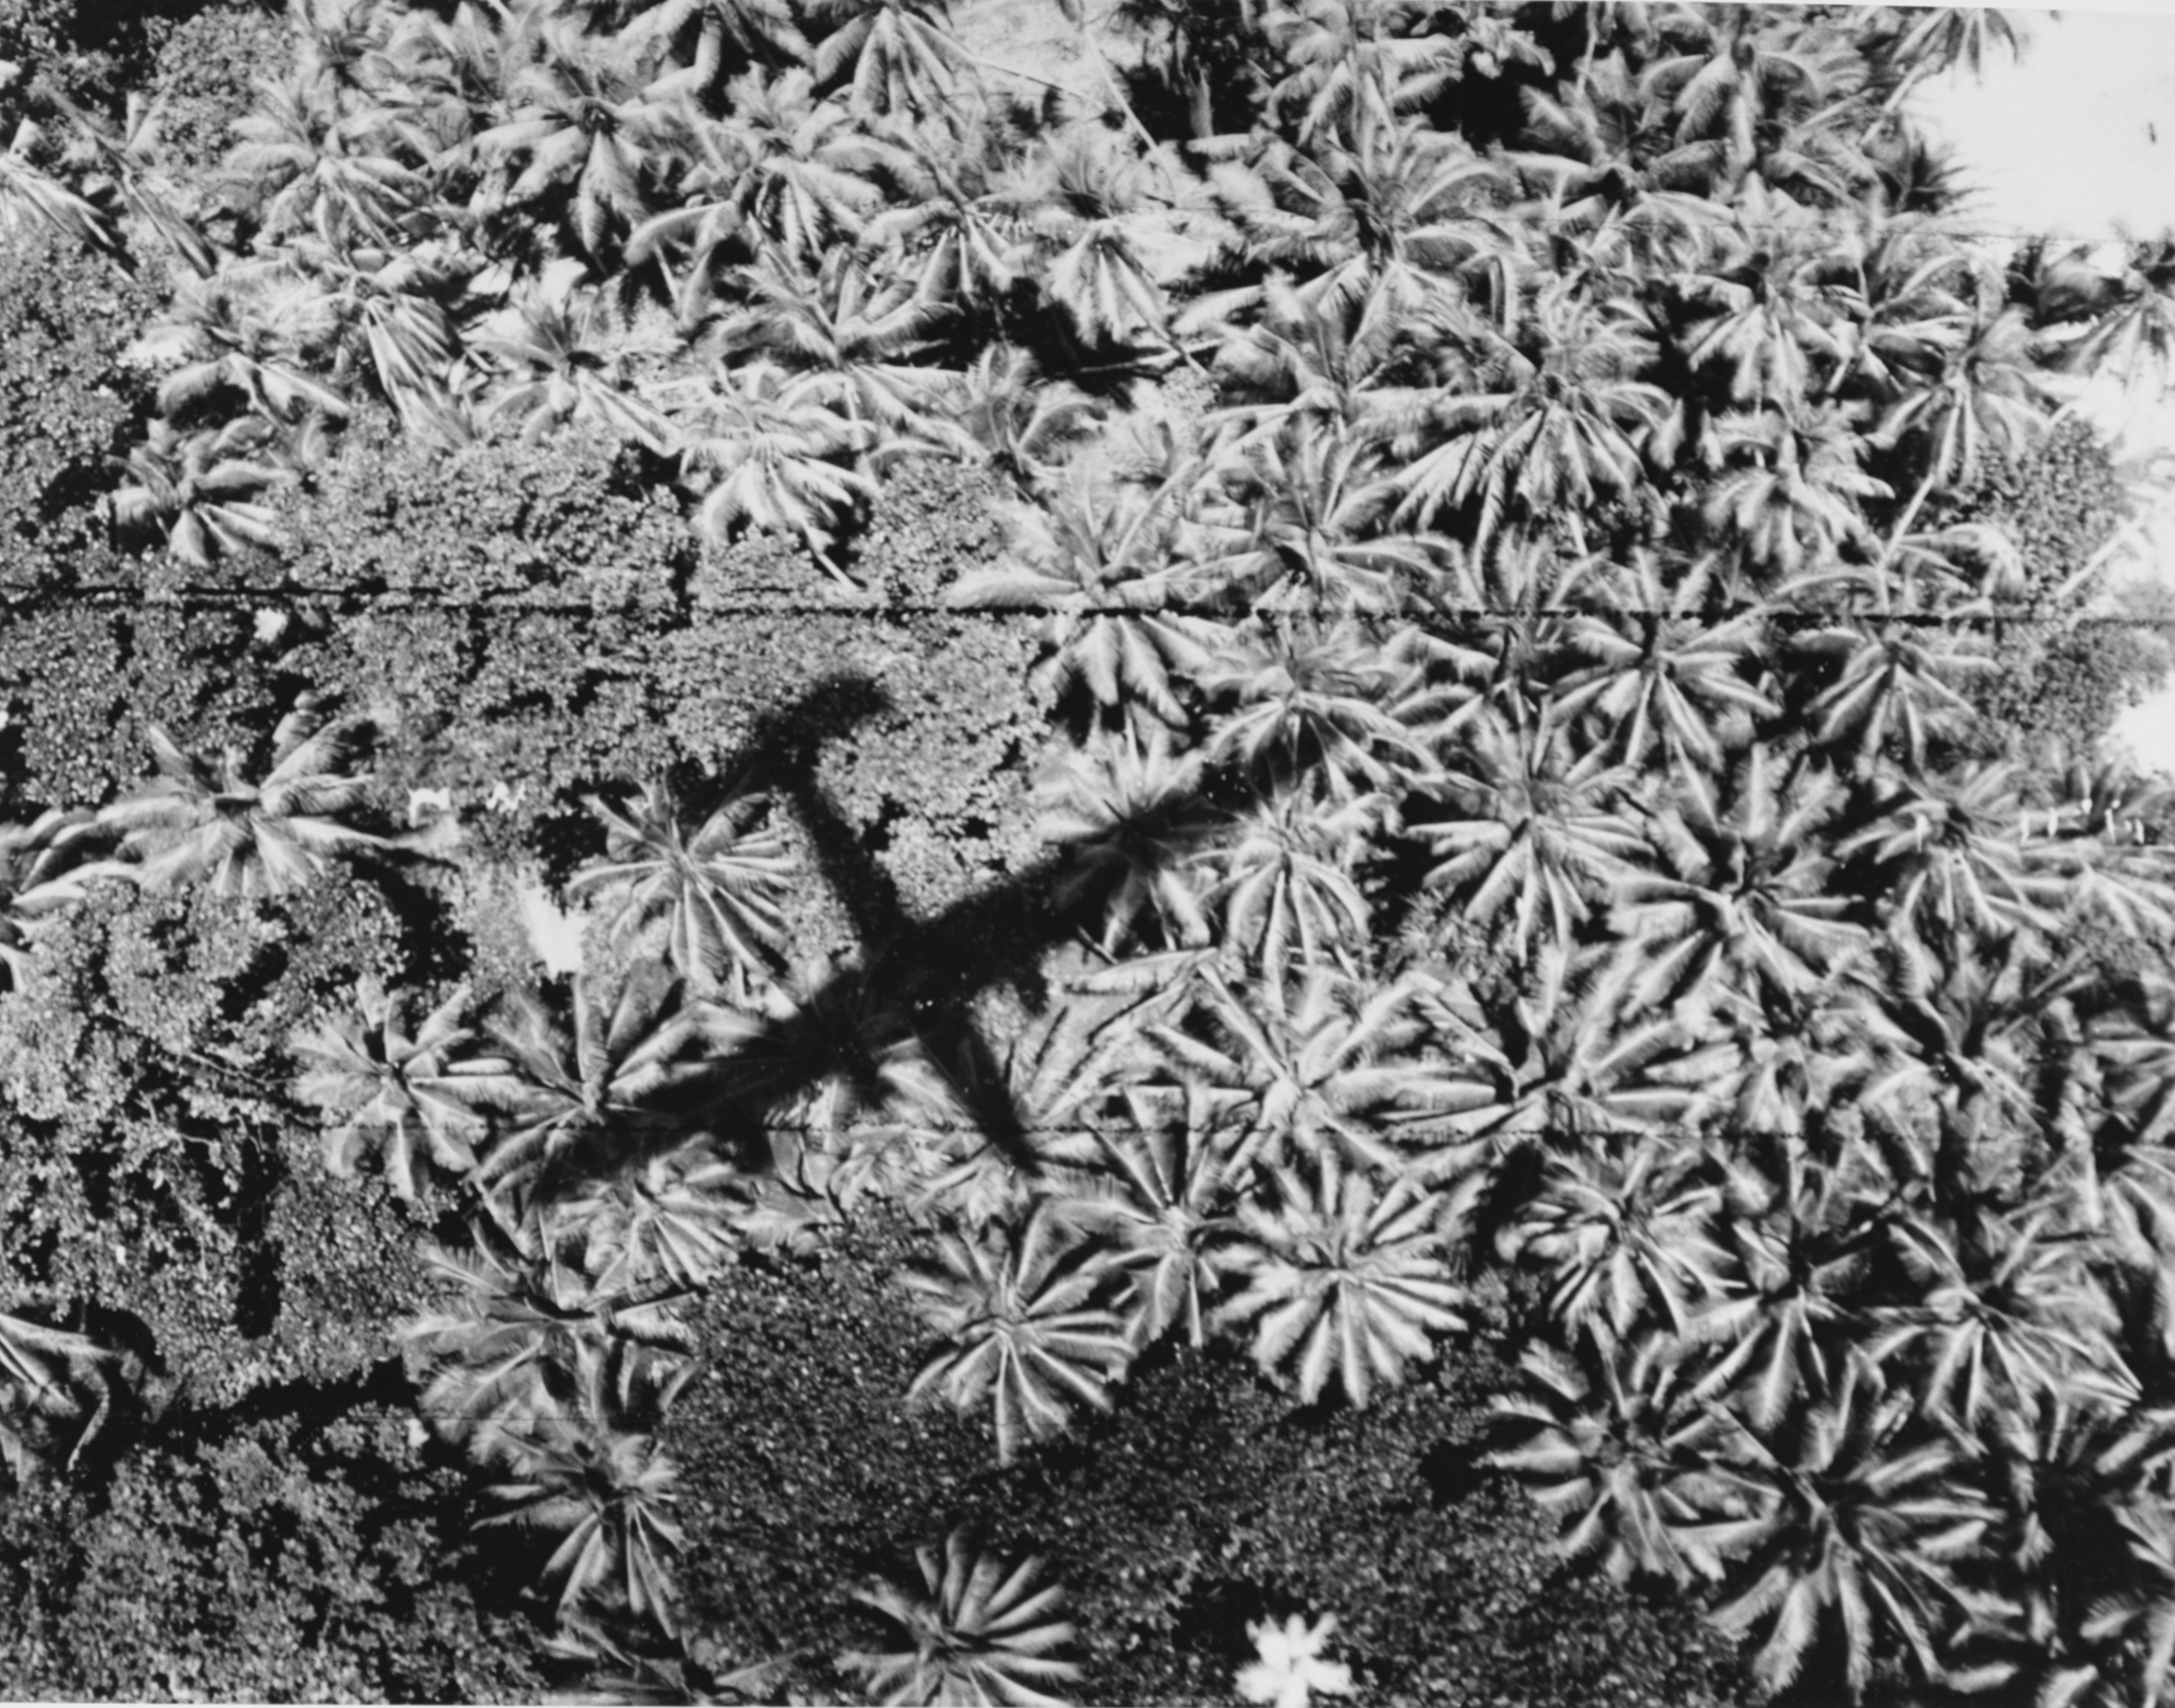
69,401
308,1552
150,1158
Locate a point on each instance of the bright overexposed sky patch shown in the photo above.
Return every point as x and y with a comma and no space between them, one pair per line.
2077,140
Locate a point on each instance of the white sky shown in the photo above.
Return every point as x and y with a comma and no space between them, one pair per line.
2078,140
2063,143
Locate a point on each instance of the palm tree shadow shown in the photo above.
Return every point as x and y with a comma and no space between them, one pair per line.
916,979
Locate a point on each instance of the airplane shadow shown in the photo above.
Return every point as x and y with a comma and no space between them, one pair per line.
915,982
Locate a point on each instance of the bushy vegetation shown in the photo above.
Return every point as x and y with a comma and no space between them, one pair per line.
280,1557
830,876
1201,1504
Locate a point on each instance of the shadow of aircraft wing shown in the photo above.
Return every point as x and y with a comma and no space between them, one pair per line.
915,979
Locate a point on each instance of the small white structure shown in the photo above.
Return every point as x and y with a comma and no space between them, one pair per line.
1290,1667
556,935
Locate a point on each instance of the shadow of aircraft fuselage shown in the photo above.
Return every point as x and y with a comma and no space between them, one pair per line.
915,979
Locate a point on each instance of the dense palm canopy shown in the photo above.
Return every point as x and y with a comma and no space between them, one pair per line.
388,1087
1502,527
717,885
194,821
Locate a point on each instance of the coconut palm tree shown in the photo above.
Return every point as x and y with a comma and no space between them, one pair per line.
1345,69
2113,1180
2008,1323
842,333
758,32
825,1049
1619,1223
1801,1055
698,233
2064,1481
1316,1062
446,76
602,1489
1342,1277
1396,222
1893,688
250,349
1021,1326
2100,843
1984,397
1024,422
976,1627
1282,883
1320,700
719,885
799,171
589,131
1738,899
1544,420
1950,848
960,230
666,1221
1129,819
305,171
1491,635
42,870
1082,191
201,494
1115,566
893,55
2129,1034
1540,833
1731,73
1314,539
377,316
517,1341
1314,363
1004,1127
1652,668
1798,500
192,822
1569,1054
1914,303
760,452
399,1092
1803,1231
588,1086
341,44
1815,158
1973,1013
1766,313
562,359
2131,331
1159,1192
1616,200
1611,1441
1860,1525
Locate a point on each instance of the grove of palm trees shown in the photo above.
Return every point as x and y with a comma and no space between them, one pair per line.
1284,867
